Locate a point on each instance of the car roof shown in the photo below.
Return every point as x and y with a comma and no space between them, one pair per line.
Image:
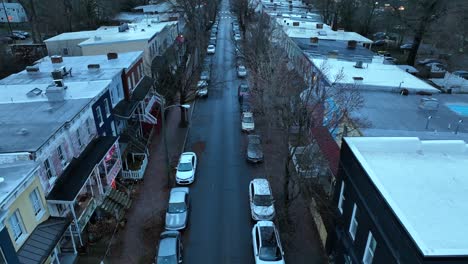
247,114
187,156
261,186
167,247
177,197
253,137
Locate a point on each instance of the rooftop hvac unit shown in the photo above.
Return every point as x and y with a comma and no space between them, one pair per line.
56,74
359,64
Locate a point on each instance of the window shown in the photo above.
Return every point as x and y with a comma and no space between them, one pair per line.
16,224
36,201
78,137
106,107
65,51
60,154
88,127
370,249
129,83
133,79
138,72
342,198
99,116
48,169
354,223
141,69
2,257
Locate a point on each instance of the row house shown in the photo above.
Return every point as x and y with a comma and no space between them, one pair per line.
401,200
150,38
28,233
55,126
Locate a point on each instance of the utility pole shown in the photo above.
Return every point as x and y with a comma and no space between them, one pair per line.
7,18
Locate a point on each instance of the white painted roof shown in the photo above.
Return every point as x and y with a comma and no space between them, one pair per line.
72,35
326,34
311,25
125,60
425,183
261,186
377,76
75,90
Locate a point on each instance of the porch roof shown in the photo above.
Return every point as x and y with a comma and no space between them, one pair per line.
75,175
125,109
142,89
43,240
328,147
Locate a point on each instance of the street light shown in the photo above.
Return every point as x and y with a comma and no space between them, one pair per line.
163,117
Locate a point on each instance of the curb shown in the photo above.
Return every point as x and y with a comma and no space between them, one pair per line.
190,124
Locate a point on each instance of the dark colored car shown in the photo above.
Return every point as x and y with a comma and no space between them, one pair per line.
205,75
254,149
427,61
242,90
406,46
170,248
380,42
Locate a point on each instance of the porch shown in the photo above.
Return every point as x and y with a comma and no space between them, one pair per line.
134,166
82,186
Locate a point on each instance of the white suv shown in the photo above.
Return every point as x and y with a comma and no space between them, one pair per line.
186,168
266,243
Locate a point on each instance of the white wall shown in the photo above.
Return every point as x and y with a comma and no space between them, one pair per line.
56,47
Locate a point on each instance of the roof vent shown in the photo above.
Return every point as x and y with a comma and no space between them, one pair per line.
55,93
34,92
97,38
319,26
94,67
112,55
56,59
124,27
59,83
352,44
2,179
322,33
314,41
32,69
333,54
359,65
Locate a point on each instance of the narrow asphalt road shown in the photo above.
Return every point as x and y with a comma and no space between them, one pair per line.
219,228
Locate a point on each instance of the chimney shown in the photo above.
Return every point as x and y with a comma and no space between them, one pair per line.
352,44
112,55
94,67
314,41
319,26
32,69
56,59
55,93
56,75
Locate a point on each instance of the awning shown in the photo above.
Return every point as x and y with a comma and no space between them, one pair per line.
42,241
125,109
328,147
75,175
142,89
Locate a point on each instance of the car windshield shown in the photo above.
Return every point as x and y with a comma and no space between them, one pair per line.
269,250
167,259
244,88
270,254
254,141
186,166
247,119
263,200
174,208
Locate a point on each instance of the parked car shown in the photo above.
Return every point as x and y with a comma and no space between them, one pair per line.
207,63
211,49
213,38
429,60
187,164
247,122
380,42
17,36
266,243
242,90
178,209
24,33
406,46
462,74
254,149
241,71
245,107
170,248
261,200
202,90
237,37
379,35
205,75
390,60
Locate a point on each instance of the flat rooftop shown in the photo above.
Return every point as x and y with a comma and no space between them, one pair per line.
376,76
324,47
125,60
324,34
390,114
13,175
306,24
45,77
110,34
425,185
18,93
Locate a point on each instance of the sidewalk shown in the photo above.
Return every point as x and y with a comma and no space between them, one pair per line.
137,242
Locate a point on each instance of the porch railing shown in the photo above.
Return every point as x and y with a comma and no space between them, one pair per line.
136,174
87,213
